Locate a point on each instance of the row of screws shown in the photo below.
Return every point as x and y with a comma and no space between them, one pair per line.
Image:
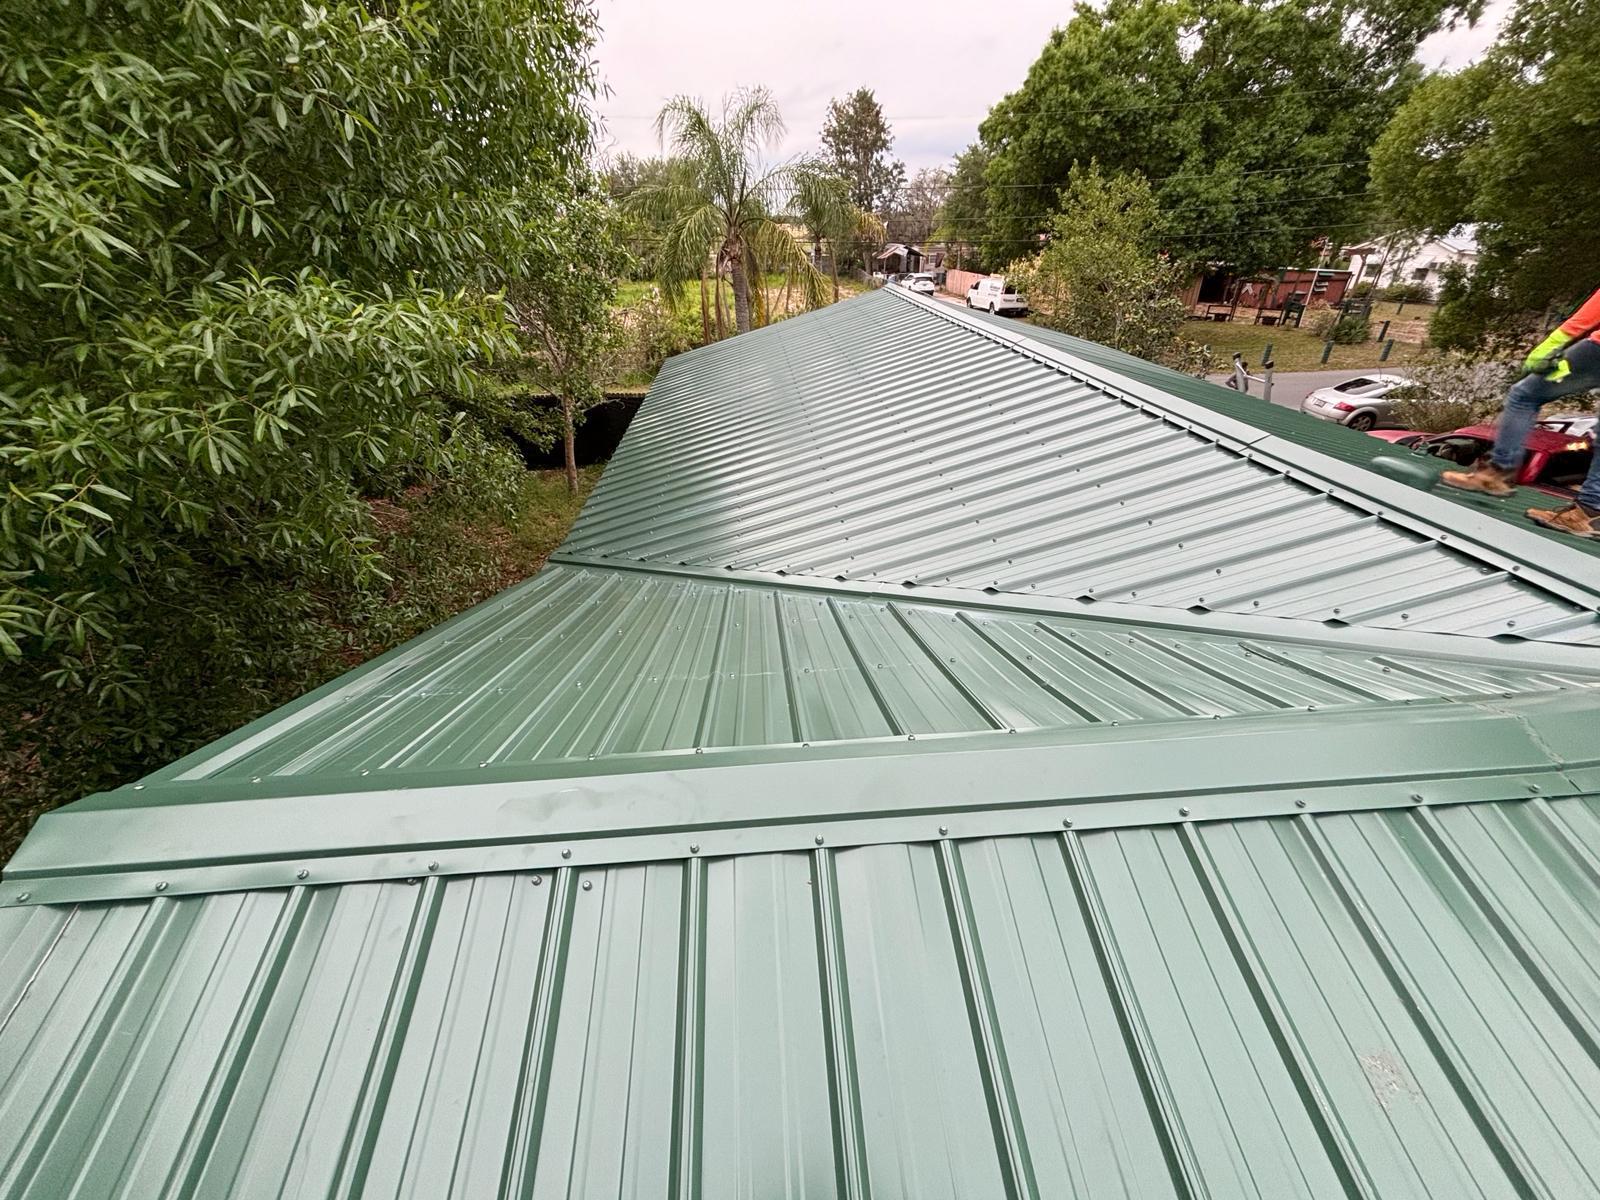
694,847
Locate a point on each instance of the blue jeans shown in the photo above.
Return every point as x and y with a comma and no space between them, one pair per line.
1533,392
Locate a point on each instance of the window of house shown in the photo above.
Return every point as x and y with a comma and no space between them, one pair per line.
1420,274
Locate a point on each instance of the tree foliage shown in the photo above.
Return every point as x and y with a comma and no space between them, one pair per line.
562,300
716,209
1504,144
1102,276
916,212
247,264
1251,118
856,140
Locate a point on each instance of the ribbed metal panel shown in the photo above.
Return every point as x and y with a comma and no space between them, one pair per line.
1398,1004
879,441
593,663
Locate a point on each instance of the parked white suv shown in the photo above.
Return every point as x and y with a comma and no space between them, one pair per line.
920,282
995,295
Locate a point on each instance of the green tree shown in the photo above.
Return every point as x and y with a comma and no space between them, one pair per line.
964,215
916,213
247,260
562,302
1503,144
1102,276
717,210
856,141
1251,118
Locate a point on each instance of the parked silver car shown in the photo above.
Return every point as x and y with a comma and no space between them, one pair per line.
1363,403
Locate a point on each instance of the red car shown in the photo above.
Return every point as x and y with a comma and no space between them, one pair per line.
1555,462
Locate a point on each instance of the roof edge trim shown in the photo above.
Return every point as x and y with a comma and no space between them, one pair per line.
1282,765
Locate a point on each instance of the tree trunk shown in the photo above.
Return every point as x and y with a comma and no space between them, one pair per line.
833,264
741,296
722,324
705,311
569,439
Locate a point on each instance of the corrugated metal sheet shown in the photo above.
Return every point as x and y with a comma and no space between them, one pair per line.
672,880
879,440
1324,437
582,664
1380,1005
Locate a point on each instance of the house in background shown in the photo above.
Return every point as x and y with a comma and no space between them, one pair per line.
897,257
1413,257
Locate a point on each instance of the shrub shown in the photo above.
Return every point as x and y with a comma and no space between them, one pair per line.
1448,393
1411,292
1320,321
1351,330
248,257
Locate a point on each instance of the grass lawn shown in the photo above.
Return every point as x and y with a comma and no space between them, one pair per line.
1295,349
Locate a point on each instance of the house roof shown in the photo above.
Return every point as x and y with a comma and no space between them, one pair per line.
707,863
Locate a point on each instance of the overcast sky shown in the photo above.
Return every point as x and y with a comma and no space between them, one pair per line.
810,52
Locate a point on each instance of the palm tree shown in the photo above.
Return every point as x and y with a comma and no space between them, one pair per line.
717,211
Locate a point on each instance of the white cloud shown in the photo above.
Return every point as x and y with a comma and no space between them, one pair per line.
936,65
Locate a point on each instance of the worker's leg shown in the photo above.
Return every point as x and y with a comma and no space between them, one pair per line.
1583,518
1527,396
1533,392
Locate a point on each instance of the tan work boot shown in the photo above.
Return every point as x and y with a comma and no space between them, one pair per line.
1573,519
1484,477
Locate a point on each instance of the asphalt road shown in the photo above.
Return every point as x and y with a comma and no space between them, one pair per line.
1291,387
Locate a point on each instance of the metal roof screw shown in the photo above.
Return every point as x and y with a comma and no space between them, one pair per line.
1066,823
588,884
911,737
537,880
1183,812
1299,803
694,848
566,854
1416,797
433,866
1511,624
302,873
697,750
805,745
943,829
483,764
817,839
138,787
161,886
22,897
255,779
1533,787
364,772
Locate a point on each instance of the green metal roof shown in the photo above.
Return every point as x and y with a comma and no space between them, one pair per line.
1325,437
705,864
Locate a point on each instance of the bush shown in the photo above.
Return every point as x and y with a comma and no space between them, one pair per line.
1448,393
1351,330
1361,290
1320,321
247,271
1411,292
